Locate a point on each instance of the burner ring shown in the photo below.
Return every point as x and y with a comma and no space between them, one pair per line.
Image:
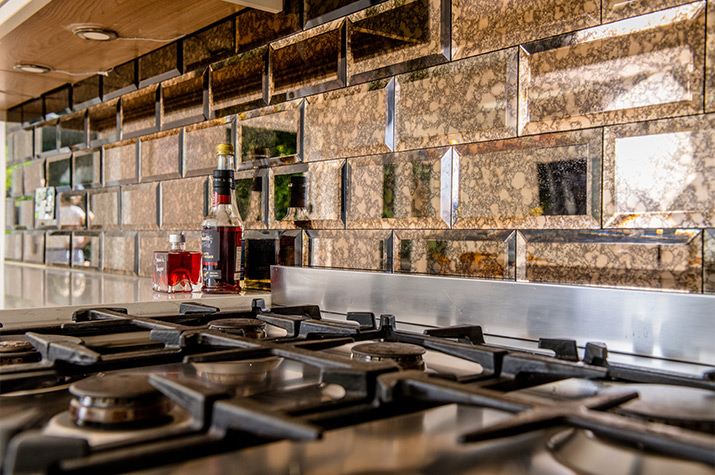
15,346
246,327
406,355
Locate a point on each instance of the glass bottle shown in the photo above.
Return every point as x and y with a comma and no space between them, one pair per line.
297,210
177,270
222,231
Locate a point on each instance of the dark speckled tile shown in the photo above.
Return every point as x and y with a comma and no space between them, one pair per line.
118,253
183,203
87,168
160,155
104,209
120,163
251,187
86,92
273,132
209,45
200,143
237,83
256,28
660,174
710,60
57,249
397,36
547,181
13,246
72,131
86,250
33,176
709,261
615,73
139,207
464,101
119,80
664,260
103,123
183,100
46,138
57,102
618,9
363,250
350,122
480,26
160,64
159,241
486,254
33,247
139,112
401,190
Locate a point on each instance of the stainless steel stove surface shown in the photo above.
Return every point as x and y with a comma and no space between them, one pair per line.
288,390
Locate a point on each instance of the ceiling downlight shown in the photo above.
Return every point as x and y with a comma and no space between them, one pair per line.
94,33
32,68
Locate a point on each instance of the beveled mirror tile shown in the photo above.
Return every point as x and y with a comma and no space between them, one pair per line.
120,163
209,45
57,249
33,247
33,176
160,155
322,196
347,249
72,132
618,9
183,100
140,112
710,60
13,246
261,252
401,190
659,259
184,203
293,248
708,261
139,206
11,213
16,180
118,253
397,36
317,12
200,141
14,115
159,241
251,187
57,102
85,250
120,80
637,69
350,122
256,27
274,132
32,111
103,123
547,181
87,169
159,65
25,213
309,62
484,86
237,84
660,174
480,26
104,209
486,254
86,92
46,138
59,171
72,211
23,143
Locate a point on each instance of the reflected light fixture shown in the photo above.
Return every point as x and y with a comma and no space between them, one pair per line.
94,33
32,68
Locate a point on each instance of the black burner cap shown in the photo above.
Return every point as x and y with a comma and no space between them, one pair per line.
386,349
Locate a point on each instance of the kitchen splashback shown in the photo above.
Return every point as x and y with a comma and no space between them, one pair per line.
565,141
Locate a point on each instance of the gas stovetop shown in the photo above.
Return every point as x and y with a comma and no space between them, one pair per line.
288,390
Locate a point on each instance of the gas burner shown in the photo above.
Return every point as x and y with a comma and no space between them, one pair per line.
246,327
254,371
406,355
690,408
15,350
118,400
584,452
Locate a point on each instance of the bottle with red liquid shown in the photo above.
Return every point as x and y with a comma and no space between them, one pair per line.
177,270
222,231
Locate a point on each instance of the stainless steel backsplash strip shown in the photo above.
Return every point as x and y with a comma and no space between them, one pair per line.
665,325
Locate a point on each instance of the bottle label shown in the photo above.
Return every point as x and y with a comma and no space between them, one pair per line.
210,254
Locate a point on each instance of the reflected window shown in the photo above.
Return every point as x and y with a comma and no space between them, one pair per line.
281,194
258,142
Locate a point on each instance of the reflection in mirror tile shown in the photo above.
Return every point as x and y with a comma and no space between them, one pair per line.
293,249
33,175
350,122
11,213
139,206
86,92
183,100
57,249
401,190
119,80
85,289
347,249
261,252
103,122
104,209
23,143
160,155
237,82
251,186
33,286
46,137
486,254
256,27
86,172
480,26
15,173
57,286
59,171
118,253
637,69
484,86
397,36
26,213
663,259
72,133
317,12
72,211
547,181
118,290
709,261
13,246
212,44
57,102
120,163
159,65
618,9
271,132
32,111
13,284
710,60
85,250
139,112
200,141
184,203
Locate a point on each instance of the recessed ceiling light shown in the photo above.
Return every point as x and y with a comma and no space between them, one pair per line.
32,68
94,33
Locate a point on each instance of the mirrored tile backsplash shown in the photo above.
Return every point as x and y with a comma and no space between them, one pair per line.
554,141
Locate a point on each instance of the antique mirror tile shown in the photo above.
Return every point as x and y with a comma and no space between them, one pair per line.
103,123
120,163
59,171
485,87
209,45
119,80
710,61
11,213
25,213
261,252
72,210
397,36
139,206
256,27
23,143
401,190
13,246
618,9
118,253
251,188
85,250
480,26
57,249
351,249
653,259
183,203
33,247
485,254
160,155
86,92
32,112
237,83
159,65
317,12
709,261
159,241
139,112
46,138
183,100
660,174
548,181
72,131
200,141
637,69
87,168
350,122
16,180
271,135
33,176
57,102
104,209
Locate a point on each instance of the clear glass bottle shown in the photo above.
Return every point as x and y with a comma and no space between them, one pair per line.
177,270
222,232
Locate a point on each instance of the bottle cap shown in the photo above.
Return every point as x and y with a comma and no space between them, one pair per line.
224,148
174,237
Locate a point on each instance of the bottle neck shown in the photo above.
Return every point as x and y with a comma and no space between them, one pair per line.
220,199
178,246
